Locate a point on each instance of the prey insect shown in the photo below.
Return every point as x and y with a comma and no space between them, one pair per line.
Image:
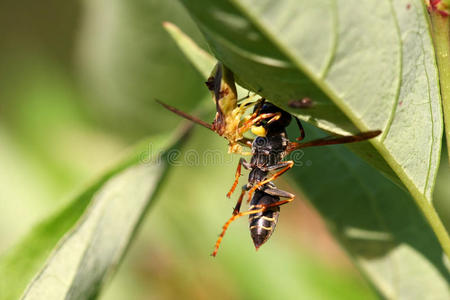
269,149
229,121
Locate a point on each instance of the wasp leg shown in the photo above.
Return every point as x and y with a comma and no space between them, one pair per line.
279,203
237,208
227,224
245,97
284,166
253,120
248,103
247,166
244,106
246,142
258,208
236,214
332,140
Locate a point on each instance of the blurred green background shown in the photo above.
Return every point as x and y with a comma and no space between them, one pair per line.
77,88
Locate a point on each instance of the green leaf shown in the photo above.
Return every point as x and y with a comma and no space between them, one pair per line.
127,60
366,64
87,239
202,60
376,221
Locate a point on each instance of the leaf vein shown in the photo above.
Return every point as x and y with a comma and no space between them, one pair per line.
432,122
400,74
335,41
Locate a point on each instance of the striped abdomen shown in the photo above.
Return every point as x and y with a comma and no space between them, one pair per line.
263,224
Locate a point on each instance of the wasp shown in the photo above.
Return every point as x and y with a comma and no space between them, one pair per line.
269,149
229,121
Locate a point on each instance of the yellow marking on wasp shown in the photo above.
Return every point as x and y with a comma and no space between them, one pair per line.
275,118
263,217
246,153
263,227
259,131
268,219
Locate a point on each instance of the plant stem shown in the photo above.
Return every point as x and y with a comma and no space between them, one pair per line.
440,25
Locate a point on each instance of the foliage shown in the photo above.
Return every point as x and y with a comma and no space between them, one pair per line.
366,65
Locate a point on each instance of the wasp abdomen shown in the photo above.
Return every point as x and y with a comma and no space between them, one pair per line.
263,224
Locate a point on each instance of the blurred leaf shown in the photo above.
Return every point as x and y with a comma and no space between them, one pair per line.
127,60
49,143
376,221
202,60
87,238
367,64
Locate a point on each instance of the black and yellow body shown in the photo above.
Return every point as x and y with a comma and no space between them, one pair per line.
269,147
262,224
268,150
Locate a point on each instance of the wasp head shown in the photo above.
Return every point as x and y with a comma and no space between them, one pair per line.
279,120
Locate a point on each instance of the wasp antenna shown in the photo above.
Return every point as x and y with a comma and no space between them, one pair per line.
335,140
185,115
300,127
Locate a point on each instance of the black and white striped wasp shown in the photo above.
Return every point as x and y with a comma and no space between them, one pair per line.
268,150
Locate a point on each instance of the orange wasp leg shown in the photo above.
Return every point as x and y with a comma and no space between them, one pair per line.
253,120
249,212
237,208
242,162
